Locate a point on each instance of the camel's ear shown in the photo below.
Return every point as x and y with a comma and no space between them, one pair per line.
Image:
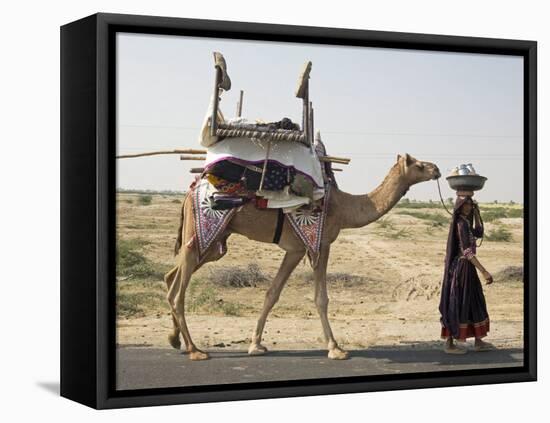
398,157
408,159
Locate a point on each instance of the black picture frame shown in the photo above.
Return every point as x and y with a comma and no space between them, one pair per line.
88,209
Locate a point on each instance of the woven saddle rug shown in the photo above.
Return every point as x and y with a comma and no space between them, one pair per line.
209,223
307,222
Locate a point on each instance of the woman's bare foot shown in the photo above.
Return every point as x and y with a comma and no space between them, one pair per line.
451,348
480,346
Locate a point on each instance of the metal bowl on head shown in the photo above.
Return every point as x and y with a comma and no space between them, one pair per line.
466,182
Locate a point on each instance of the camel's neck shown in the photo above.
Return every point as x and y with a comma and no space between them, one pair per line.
360,210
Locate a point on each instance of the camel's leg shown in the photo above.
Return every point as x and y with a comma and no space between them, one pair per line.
176,299
174,336
291,260
321,301
213,255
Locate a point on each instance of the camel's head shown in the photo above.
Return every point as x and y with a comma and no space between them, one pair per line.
416,170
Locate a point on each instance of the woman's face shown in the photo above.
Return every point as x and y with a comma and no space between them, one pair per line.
467,208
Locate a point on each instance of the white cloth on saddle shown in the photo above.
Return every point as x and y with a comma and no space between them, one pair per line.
282,199
251,151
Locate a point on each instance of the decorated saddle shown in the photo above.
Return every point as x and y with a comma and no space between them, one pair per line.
210,221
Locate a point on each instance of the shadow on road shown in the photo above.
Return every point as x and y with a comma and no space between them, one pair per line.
422,352
155,367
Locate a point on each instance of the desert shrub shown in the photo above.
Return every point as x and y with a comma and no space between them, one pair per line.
490,214
419,205
199,298
510,274
131,263
385,223
515,212
393,233
237,277
433,218
344,278
203,297
137,304
500,234
401,233
145,200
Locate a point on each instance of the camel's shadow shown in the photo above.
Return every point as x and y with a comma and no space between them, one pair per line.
422,352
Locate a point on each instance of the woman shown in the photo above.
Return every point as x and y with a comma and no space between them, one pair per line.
463,308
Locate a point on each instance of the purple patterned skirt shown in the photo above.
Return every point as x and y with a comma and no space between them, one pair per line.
463,306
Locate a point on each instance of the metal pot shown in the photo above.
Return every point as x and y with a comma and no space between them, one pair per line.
466,182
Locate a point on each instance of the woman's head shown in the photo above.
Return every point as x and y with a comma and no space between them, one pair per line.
467,207
464,205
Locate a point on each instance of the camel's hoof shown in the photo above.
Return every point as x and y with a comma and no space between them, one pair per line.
174,340
338,354
257,349
198,355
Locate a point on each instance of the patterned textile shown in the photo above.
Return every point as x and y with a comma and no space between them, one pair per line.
253,152
209,223
308,223
249,177
227,187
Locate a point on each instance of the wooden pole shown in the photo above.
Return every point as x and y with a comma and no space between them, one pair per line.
196,170
240,104
311,123
305,117
157,153
192,158
264,170
214,117
341,160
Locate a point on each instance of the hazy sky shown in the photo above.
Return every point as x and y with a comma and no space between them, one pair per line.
370,104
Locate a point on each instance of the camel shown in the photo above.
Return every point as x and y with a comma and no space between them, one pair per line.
344,211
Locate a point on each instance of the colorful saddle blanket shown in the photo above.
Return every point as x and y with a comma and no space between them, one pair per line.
209,222
308,224
306,221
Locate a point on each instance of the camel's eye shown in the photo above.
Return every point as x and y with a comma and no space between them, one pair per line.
420,166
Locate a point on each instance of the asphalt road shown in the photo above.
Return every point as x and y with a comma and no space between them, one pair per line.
155,367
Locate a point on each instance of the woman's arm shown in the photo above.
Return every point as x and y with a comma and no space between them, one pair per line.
468,250
486,275
477,230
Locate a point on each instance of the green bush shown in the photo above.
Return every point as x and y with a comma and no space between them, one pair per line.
499,234
137,304
145,200
490,214
203,297
419,205
131,263
434,219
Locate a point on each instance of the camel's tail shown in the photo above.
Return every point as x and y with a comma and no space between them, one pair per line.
179,239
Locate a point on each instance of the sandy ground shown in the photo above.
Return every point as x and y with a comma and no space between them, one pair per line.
383,290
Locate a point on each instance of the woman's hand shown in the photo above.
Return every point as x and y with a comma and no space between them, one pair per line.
488,277
476,209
